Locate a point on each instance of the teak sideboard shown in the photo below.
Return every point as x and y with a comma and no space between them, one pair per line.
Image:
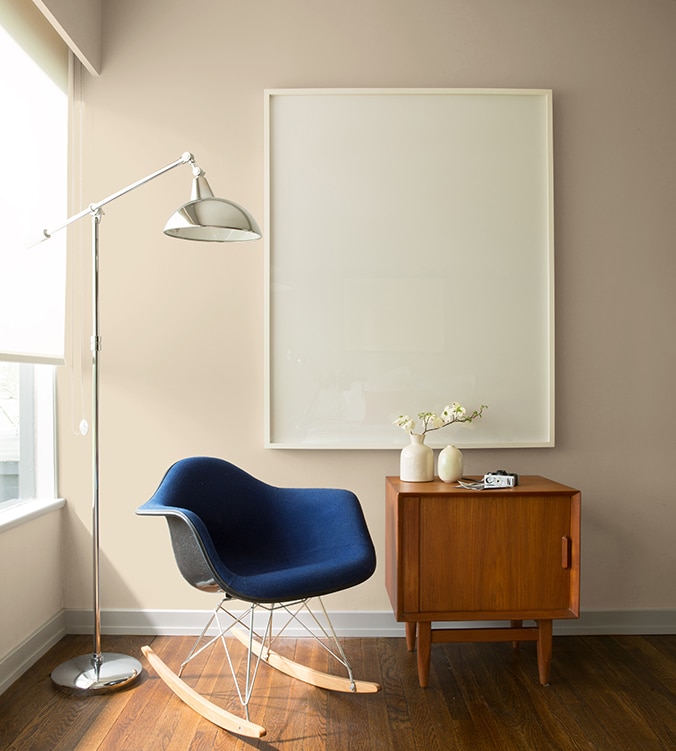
511,554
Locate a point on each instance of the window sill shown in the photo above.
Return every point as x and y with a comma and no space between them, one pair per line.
26,510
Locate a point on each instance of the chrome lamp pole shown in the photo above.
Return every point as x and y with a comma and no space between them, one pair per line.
204,218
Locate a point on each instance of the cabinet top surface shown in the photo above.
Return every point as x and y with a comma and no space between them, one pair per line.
528,484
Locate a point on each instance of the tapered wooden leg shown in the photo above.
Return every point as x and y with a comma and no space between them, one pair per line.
544,650
410,635
516,624
424,652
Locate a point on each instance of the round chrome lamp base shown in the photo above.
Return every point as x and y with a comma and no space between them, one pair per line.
97,674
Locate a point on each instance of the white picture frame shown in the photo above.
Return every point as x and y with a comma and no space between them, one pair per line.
409,263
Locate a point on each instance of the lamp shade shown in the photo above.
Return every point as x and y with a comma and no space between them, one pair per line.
211,219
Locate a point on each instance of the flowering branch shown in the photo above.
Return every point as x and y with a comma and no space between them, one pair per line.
452,413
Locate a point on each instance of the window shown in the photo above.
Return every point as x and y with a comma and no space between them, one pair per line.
33,185
26,433
9,432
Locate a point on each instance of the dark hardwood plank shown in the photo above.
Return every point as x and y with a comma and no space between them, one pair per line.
31,697
367,667
494,718
348,723
308,705
607,693
429,715
209,674
53,719
396,663
138,724
268,703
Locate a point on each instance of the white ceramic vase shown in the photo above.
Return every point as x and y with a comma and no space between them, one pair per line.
417,461
449,465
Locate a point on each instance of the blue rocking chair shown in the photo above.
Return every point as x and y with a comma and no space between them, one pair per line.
274,549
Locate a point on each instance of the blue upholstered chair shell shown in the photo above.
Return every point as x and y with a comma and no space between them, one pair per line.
269,547
258,542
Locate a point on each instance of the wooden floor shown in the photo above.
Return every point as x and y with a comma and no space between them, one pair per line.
606,694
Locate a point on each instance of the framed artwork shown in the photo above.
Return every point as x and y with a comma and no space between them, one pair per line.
409,264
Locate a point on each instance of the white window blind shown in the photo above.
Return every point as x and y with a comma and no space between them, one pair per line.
33,185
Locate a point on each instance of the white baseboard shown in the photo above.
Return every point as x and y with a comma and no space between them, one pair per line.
616,622
14,664
362,623
346,624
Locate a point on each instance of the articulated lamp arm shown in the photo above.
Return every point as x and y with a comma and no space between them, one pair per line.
95,208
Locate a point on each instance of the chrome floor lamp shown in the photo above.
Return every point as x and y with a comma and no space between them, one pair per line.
203,218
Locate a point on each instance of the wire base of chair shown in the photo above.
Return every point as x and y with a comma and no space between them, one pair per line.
258,644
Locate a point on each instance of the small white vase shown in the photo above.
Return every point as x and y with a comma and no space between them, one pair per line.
450,464
417,461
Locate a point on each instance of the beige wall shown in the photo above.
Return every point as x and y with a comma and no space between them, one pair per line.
182,360
32,593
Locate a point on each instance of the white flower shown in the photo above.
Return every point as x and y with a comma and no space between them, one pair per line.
435,422
453,412
405,422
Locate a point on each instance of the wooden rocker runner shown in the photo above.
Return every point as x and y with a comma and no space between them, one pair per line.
274,549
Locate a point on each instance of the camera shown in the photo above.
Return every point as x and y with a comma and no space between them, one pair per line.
500,479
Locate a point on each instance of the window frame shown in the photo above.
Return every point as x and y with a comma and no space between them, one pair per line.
36,376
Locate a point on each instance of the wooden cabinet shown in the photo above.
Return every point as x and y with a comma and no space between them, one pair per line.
491,555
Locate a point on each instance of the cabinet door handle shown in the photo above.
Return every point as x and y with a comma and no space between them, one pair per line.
565,552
